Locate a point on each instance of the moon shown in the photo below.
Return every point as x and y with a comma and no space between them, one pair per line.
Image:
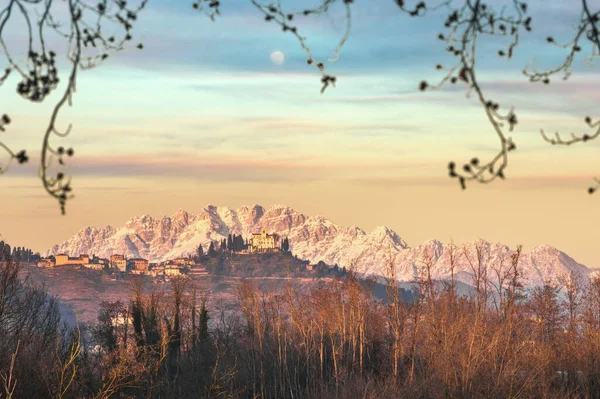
277,57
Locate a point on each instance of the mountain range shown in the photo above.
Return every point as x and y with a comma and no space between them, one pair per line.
313,238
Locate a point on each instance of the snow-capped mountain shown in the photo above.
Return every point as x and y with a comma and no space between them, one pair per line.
313,238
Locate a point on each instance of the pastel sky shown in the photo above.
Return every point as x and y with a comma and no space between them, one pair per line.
203,116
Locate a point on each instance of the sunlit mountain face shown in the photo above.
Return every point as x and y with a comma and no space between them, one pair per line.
314,238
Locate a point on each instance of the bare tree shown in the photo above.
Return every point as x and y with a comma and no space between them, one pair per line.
68,367
82,25
573,288
9,380
335,339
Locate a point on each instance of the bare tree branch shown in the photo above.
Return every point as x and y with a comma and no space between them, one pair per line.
466,26
587,30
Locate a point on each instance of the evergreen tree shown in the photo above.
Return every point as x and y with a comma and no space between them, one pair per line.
104,331
178,286
238,243
150,321
211,250
285,245
199,251
230,243
7,251
223,245
203,323
137,315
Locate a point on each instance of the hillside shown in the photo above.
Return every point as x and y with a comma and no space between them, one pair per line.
276,264
81,290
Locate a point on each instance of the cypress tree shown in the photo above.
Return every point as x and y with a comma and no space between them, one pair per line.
211,250
203,323
137,315
238,243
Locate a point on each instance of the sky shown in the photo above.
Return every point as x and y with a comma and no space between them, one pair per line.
202,115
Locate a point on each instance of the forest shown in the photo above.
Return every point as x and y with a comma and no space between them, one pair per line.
336,341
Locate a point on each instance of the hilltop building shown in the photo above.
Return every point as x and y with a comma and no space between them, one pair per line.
66,260
118,262
263,242
139,264
182,262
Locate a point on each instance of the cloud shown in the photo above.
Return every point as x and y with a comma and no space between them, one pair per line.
577,182
189,165
217,168
404,181
123,134
530,182
278,126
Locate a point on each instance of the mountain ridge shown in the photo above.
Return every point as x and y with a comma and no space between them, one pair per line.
312,238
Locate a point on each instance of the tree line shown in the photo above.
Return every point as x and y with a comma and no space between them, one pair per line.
18,254
233,243
332,340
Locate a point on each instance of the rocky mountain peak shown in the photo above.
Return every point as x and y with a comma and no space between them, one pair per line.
313,238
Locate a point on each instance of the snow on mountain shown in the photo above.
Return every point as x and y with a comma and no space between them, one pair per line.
543,264
314,238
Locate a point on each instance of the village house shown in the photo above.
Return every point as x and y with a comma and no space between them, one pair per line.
156,271
172,270
96,263
94,266
45,262
100,261
182,262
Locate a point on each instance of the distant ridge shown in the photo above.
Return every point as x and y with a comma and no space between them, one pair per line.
312,238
